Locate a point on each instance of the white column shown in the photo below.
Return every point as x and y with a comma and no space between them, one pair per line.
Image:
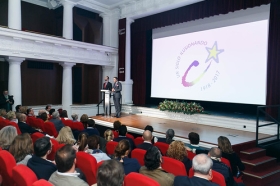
106,29
14,81
14,14
67,98
116,15
127,84
68,19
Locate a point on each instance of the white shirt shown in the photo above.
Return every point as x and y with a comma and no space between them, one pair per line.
100,157
74,174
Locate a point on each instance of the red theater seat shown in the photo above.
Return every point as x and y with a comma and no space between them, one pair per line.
55,146
116,134
23,175
16,126
191,155
138,141
130,136
88,166
139,154
218,178
36,136
50,129
7,163
137,179
42,183
163,147
110,147
173,166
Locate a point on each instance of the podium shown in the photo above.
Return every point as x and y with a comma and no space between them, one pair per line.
107,102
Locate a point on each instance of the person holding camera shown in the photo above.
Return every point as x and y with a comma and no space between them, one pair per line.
6,101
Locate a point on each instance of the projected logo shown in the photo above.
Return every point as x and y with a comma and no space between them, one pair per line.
213,56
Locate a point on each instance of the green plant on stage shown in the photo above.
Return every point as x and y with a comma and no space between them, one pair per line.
180,107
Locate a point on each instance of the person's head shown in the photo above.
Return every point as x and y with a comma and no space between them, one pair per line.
65,159
5,93
202,165
18,107
153,158
40,112
64,114
3,112
42,147
122,149
82,141
55,115
22,117
149,128
93,142
7,136
117,125
194,138
21,146
23,109
59,110
147,136
65,136
106,78
30,111
215,153
75,116
51,111
48,108
84,119
169,135
115,79
110,173
177,150
44,116
224,144
11,115
91,123
122,130
108,135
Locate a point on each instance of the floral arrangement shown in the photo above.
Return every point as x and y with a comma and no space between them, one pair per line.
177,107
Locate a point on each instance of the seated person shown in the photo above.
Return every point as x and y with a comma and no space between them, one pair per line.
30,113
18,107
66,174
75,117
25,128
152,168
194,141
81,144
169,137
84,119
44,117
40,112
178,152
7,136
147,137
65,136
122,135
202,165
121,154
42,167
91,130
93,149
56,121
3,113
151,129
110,173
63,115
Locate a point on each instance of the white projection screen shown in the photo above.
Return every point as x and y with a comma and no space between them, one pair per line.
219,59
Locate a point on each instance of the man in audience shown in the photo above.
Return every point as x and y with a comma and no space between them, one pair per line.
48,108
202,167
151,129
194,141
147,137
42,167
122,135
169,137
56,121
66,174
23,127
111,173
93,149
18,107
3,113
30,112
40,112
91,130
152,168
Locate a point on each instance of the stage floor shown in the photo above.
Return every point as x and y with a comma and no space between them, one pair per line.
208,134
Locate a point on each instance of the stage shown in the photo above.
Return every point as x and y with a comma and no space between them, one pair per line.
136,119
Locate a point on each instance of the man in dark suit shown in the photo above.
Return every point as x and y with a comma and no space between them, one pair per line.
122,135
147,137
56,121
106,86
117,88
6,101
202,166
24,127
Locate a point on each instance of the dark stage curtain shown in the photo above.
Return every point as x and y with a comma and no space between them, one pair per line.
140,28
122,39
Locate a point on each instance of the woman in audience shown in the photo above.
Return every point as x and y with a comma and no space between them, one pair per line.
22,148
3,113
44,117
11,115
109,135
64,115
236,165
7,136
75,117
84,119
121,154
177,151
81,144
65,136
23,109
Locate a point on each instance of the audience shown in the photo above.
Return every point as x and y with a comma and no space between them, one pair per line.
194,141
152,168
65,136
23,126
121,154
22,148
169,137
56,121
109,135
93,149
81,144
178,151
202,167
151,129
110,173
3,113
90,128
66,174
75,117
147,137
227,152
42,167
7,136
122,135
84,119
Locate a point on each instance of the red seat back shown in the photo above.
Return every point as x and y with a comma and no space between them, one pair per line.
191,155
36,136
130,136
110,147
68,123
42,182
88,166
23,175
163,147
50,129
77,126
116,134
173,166
98,165
218,178
137,179
7,163
3,123
16,126
55,146
39,123
139,154
138,141
226,161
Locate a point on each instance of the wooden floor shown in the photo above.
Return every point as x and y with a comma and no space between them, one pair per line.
208,134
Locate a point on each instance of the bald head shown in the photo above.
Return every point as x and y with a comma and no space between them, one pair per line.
147,135
22,117
215,152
